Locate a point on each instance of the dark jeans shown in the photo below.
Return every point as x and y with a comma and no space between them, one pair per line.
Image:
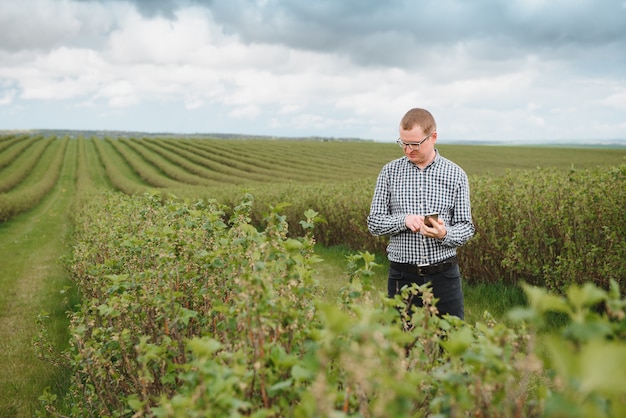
446,287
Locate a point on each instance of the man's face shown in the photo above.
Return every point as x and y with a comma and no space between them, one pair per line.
418,153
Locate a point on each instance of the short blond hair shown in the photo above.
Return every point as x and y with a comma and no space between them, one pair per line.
418,117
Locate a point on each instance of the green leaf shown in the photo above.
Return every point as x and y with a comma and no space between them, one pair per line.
300,373
336,320
292,244
310,214
135,403
541,301
588,295
520,314
603,367
459,341
280,386
561,358
204,347
187,314
587,331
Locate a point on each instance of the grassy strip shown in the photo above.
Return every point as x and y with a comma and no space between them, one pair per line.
90,173
498,160
31,280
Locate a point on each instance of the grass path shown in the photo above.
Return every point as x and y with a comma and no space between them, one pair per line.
31,279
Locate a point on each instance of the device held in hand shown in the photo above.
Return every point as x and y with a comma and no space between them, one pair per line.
429,218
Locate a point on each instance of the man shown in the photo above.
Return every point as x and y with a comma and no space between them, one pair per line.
420,183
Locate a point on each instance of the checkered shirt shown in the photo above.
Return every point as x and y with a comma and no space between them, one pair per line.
402,188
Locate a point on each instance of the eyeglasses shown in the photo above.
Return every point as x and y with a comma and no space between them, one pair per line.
413,146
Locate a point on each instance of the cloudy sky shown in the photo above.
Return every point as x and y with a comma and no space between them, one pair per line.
514,70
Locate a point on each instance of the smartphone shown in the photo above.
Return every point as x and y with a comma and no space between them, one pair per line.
429,218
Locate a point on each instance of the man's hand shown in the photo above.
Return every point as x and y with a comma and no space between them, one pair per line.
414,222
438,230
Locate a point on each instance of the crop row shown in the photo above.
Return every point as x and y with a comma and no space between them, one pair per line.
137,164
182,167
21,161
38,177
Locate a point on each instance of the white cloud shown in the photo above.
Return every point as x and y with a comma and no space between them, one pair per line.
63,73
160,41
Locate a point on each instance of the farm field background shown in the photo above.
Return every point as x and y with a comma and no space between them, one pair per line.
44,179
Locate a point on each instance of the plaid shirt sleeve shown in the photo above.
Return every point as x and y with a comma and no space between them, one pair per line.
402,188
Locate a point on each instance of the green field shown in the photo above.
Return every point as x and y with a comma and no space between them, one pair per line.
44,179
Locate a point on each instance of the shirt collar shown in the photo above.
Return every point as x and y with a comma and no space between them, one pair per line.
433,162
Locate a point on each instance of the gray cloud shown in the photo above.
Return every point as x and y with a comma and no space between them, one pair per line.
397,33
151,8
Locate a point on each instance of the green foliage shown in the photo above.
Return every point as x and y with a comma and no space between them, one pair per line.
342,206
189,312
156,274
586,358
546,227
549,228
